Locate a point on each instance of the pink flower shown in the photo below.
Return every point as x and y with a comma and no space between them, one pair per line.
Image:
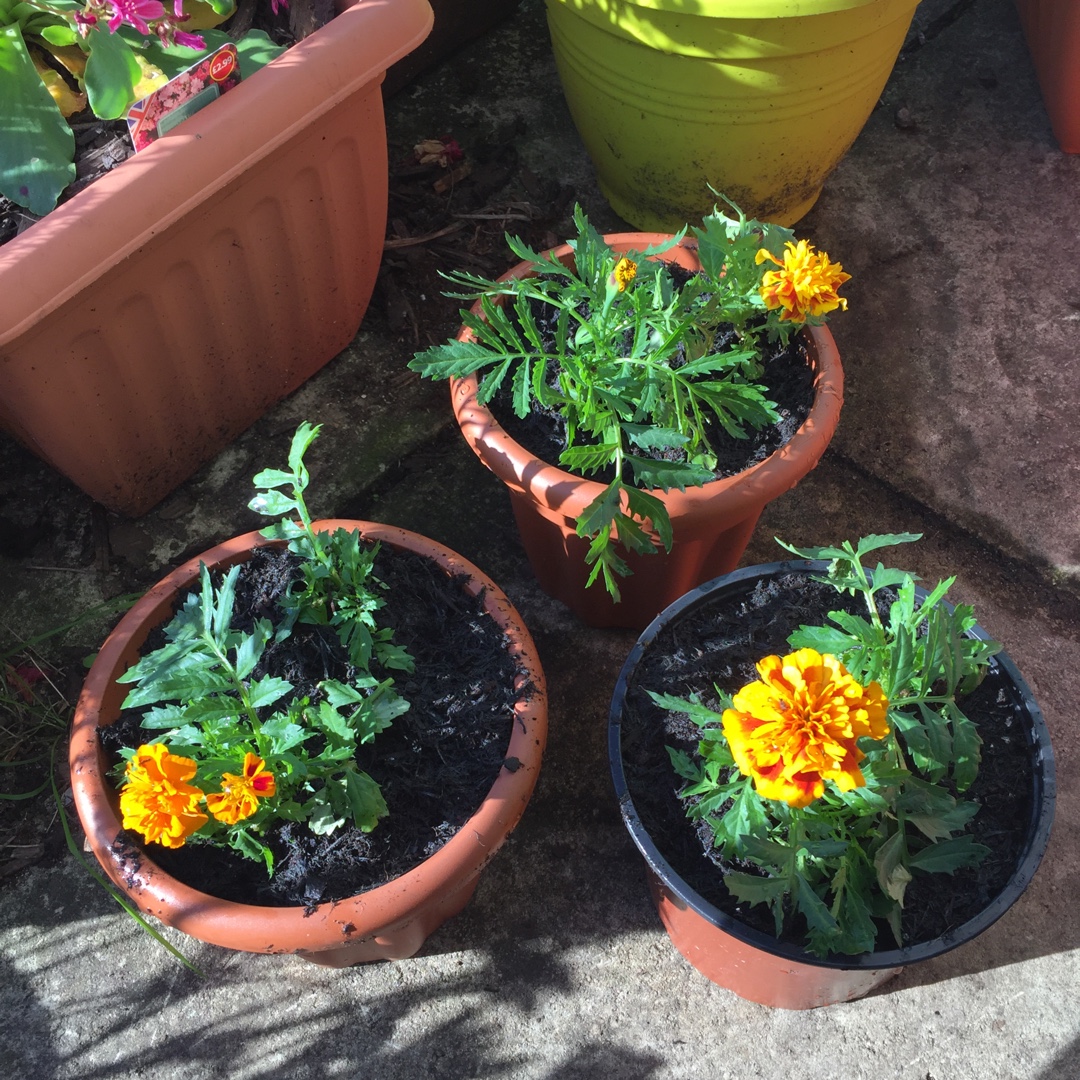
279,5
137,13
190,41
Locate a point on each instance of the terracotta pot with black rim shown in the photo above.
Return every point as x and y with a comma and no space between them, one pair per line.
756,965
712,524
389,922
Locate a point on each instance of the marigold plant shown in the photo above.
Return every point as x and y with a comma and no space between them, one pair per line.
641,365
839,774
237,749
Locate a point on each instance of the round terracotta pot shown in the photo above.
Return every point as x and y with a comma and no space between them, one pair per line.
757,966
711,525
390,922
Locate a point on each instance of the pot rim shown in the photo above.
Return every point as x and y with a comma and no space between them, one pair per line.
752,488
336,923
1038,836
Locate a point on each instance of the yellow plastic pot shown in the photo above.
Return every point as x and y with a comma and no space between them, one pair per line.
759,98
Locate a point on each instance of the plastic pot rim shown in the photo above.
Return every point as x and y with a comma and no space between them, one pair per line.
1042,811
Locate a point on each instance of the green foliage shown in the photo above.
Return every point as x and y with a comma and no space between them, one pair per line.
844,862
634,372
208,699
38,147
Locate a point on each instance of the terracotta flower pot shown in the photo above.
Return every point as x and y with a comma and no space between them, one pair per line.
712,524
756,965
161,311
1052,29
386,923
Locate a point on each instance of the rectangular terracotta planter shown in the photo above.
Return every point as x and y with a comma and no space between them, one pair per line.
1052,29
161,311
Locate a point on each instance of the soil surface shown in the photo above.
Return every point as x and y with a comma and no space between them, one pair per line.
435,764
717,646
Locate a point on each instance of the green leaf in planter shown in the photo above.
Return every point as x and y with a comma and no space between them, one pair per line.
272,503
254,50
111,72
654,438
266,691
324,813
37,147
666,475
588,458
818,917
890,862
701,715
242,840
284,733
751,889
744,818
949,855
942,825
824,639
967,747
850,886
684,765
645,506
365,800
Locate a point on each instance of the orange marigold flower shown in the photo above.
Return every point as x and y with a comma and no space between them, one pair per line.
156,799
625,272
239,796
798,726
805,285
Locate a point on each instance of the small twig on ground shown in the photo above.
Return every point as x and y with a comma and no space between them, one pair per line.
412,241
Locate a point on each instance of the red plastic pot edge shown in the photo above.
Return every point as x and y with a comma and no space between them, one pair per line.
754,965
338,933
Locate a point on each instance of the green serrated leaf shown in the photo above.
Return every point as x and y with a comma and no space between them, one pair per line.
684,765
949,855
891,864
818,917
751,889
365,800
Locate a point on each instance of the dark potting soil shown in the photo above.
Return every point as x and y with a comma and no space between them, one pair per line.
435,764
787,380
717,646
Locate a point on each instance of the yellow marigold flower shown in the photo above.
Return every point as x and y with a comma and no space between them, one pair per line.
805,285
625,272
239,796
798,726
156,799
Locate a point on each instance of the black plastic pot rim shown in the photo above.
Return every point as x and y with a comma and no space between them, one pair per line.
1042,812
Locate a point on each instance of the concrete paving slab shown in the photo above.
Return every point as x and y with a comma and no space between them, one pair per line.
956,213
